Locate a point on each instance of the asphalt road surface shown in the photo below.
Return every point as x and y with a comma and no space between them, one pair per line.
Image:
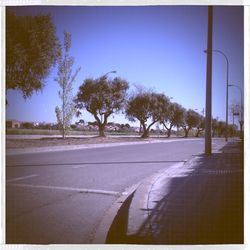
61,197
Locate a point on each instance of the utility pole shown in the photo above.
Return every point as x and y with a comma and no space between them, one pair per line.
209,83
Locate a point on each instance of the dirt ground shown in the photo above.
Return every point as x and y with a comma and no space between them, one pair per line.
57,141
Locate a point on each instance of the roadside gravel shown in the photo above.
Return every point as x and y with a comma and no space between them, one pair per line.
57,141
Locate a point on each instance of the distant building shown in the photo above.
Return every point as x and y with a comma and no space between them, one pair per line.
13,124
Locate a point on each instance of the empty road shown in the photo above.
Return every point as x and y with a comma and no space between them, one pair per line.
61,197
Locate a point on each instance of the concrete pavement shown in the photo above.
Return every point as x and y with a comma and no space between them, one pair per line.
201,203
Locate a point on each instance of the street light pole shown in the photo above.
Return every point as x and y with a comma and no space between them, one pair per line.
220,52
226,132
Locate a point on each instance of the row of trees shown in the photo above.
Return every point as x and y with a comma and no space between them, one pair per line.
103,97
32,48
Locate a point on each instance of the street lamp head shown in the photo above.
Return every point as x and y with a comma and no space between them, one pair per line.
113,72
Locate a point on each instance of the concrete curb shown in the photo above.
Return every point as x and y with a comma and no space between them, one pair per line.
137,210
103,228
140,205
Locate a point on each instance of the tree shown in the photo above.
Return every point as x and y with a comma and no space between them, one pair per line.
221,128
200,125
27,125
65,79
31,49
102,97
191,121
232,129
174,117
237,110
146,107
215,126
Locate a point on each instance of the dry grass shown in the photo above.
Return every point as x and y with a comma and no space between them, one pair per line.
57,141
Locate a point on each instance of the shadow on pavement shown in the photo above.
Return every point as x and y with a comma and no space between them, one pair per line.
202,207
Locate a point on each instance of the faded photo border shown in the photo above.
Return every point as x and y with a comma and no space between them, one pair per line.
246,5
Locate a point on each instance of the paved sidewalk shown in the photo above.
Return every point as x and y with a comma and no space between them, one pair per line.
202,204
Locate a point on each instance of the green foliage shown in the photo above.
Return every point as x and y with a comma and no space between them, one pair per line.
27,125
173,117
177,114
65,79
232,130
221,128
31,49
192,120
102,97
200,125
147,106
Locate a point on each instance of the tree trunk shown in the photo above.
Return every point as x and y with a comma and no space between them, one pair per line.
145,134
241,129
63,133
168,129
213,132
140,128
101,130
197,133
168,132
186,132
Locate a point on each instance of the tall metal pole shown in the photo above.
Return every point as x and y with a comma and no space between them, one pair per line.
226,134
209,83
226,130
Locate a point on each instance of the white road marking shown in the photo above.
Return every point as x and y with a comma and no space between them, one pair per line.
21,178
81,190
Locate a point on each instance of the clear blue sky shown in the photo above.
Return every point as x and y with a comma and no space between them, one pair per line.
159,47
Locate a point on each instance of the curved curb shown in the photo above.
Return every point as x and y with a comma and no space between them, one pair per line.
151,190
137,211
140,205
103,228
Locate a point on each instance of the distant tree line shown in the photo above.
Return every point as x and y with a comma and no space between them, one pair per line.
103,97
